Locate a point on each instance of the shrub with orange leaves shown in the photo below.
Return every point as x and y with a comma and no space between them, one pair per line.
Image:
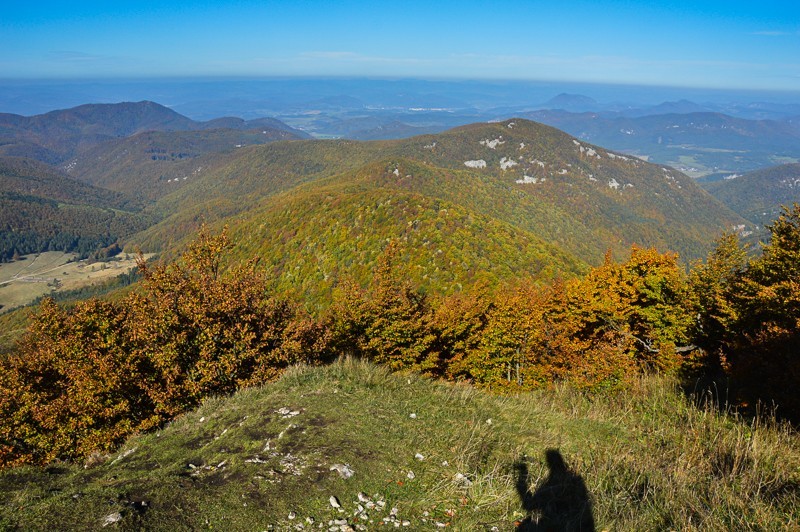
87,377
75,387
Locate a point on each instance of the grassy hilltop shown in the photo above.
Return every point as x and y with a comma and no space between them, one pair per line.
426,454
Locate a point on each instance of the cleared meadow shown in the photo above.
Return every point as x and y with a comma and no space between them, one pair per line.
36,275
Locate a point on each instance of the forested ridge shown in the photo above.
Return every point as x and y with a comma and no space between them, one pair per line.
42,209
581,198
758,195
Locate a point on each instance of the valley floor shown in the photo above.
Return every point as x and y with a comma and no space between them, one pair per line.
36,275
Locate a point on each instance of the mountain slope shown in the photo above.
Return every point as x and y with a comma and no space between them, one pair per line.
311,238
42,209
398,448
758,195
153,163
614,199
24,176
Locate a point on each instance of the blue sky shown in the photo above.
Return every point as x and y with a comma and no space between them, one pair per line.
742,45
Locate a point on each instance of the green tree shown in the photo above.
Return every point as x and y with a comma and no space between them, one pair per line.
711,290
388,322
764,343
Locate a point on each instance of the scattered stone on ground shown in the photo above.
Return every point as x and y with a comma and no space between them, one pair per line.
343,470
287,412
110,519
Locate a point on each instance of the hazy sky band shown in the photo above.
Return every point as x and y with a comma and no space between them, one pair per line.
703,44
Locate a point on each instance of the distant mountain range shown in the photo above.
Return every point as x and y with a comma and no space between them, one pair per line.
710,137
478,203
57,136
758,195
572,102
695,143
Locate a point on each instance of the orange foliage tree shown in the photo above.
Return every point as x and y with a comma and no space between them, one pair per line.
75,388
206,333
641,303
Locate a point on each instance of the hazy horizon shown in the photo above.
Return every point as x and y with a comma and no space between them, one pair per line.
706,44
37,96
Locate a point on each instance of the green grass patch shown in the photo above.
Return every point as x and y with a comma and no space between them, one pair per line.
424,452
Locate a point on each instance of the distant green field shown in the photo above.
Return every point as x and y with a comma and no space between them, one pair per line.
36,275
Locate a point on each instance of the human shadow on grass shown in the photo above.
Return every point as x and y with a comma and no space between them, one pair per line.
559,503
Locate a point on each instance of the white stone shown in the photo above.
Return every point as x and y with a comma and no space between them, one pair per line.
505,163
343,470
492,144
530,180
110,519
462,479
124,455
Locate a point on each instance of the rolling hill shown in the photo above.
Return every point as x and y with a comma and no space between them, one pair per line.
152,164
314,236
758,195
318,209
